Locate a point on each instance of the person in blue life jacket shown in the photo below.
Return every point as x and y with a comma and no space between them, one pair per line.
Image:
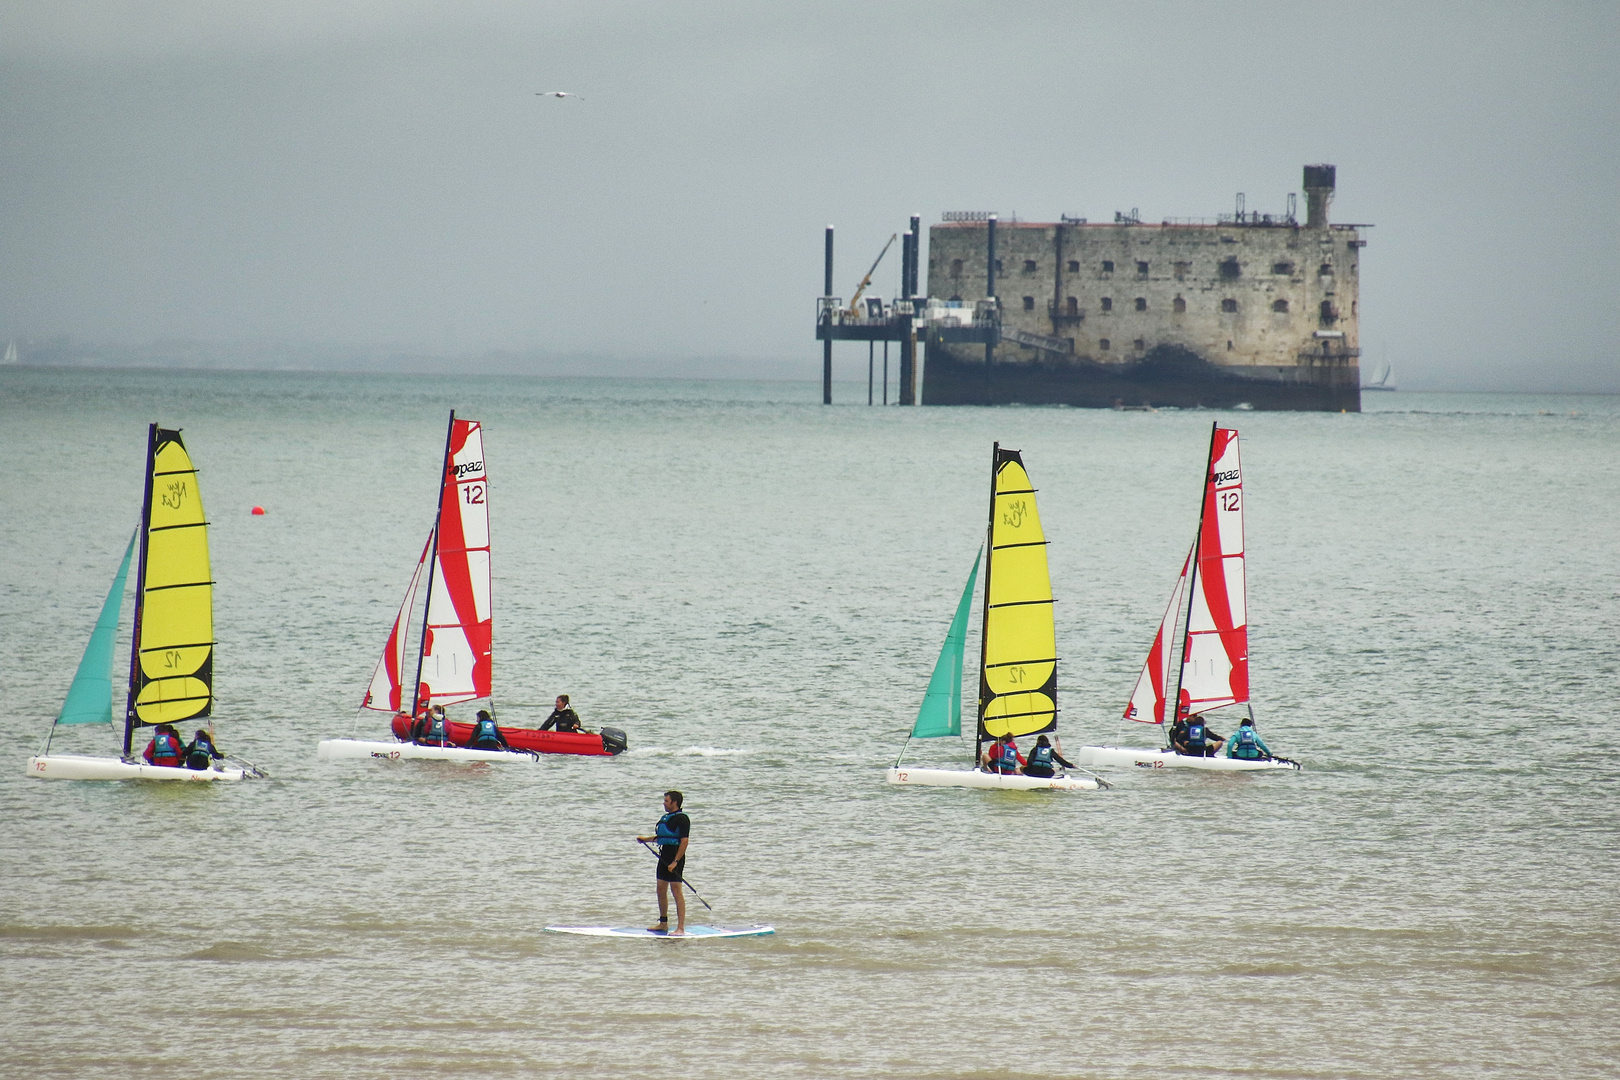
201,752
671,834
1192,737
1246,744
485,735
430,728
1002,757
1042,756
167,748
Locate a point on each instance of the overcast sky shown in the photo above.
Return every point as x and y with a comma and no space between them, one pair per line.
382,175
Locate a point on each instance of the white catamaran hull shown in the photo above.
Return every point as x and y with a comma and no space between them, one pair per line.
81,767
1127,757
977,779
331,749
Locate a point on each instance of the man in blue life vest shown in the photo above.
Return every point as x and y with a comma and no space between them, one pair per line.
1193,738
1246,744
201,752
485,735
430,729
671,835
1002,756
1041,759
166,748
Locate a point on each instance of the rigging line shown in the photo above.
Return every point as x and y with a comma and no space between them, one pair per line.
1018,491
179,472
191,645
183,525
1024,543
1015,663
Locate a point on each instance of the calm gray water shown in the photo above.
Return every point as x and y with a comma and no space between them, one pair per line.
755,588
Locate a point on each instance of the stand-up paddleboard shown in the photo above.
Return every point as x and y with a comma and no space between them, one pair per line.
333,749
643,932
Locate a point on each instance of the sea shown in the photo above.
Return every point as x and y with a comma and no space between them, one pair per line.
755,587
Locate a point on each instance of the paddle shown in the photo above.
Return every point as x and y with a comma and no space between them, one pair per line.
688,884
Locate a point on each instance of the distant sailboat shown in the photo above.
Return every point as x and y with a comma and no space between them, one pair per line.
1382,382
171,664
1214,639
11,354
1017,650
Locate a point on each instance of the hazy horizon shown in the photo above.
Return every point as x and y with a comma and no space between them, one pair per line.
300,184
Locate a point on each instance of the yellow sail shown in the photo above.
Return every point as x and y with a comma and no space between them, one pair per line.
1018,673
172,672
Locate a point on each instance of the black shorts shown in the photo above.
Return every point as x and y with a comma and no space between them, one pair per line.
1043,771
673,873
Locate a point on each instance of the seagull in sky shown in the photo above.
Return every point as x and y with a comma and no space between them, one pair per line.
557,94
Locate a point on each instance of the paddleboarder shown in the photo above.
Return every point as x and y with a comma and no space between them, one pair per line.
671,835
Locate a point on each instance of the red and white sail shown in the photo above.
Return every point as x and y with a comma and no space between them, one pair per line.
1215,655
384,693
1153,685
456,646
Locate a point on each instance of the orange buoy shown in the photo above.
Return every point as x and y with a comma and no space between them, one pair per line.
258,511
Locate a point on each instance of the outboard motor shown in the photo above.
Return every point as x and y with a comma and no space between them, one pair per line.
613,740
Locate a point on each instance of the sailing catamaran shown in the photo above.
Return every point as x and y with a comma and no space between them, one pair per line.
453,654
171,662
1017,648
1214,671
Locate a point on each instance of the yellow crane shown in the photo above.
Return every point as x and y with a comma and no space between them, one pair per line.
855,303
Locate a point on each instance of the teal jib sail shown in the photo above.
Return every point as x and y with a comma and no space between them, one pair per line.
941,712
89,699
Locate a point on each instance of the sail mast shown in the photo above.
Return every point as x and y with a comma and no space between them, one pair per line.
140,593
984,615
1192,577
433,561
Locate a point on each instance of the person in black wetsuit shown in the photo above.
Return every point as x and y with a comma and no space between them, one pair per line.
562,718
201,752
1189,736
671,834
1041,758
485,735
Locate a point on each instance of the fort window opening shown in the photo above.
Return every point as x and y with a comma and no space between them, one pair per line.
1284,268
1074,266
1139,344
1141,303
1279,305
1108,303
1074,305
1180,306
1102,344
1352,307
1108,266
1183,269
1141,269
1228,305
956,268
1229,269
956,299
1326,270
999,268
1029,303
1329,316
1029,266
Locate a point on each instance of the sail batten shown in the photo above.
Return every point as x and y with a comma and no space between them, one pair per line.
1017,666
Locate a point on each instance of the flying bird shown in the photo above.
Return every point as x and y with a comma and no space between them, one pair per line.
557,94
